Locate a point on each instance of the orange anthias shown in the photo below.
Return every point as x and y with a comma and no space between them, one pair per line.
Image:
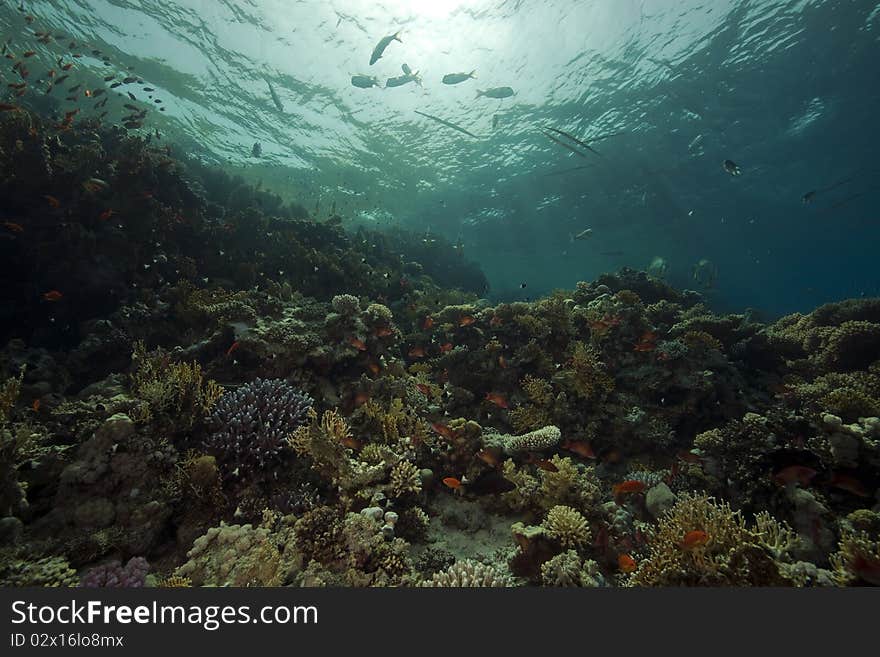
452,483
358,344
628,486
384,331
694,539
626,563
489,457
791,474
582,449
648,342
417,352
443,430
466,320
52,295
445,347
428,323
235,345
498,399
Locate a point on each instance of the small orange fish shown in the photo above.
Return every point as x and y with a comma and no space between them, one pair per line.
626,563
351,443
29,53
545,464
495,321
489,457
360,345
694,539
466,320
498,399
689,457
428,323
424,388
67,67
648,342
384,331
614,456
106,214
502,362
231,350
582,449
452,483
849,483
361,398
52,295
54,202
36,405
374,368
443,430
628,486
13,227
791,474
445,347
417,352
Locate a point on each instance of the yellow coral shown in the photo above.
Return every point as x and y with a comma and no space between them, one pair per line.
405,479
169,388
567,525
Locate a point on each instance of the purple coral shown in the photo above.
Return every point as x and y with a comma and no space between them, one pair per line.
254,422
115,575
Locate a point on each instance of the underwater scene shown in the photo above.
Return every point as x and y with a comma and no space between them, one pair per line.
448,293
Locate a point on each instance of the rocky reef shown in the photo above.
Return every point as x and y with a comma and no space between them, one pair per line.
203,386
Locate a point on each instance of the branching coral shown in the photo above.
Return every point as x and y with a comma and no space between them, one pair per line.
405,479
587,374
701,542
569,569
567,526
170,389
254,422
469,574
534,441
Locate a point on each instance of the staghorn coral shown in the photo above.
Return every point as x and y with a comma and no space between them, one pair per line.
469,574
253,424
170,389
567,526
731,554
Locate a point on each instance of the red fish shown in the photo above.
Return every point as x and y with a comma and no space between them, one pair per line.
648,342
417,352
428,323
489,457
791,474
374,367
445,347
360,345
628,486
351,443
424,388
466,320
36,405
502,362
694,539
54,202
849,483
452,482
67,67
106,214
626,563
443,430
29,53
384,331
498,399
582,449
545,464
361,398
13,227
496,321
231,350
52,295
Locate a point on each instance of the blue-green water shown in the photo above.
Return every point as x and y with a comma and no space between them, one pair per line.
787,90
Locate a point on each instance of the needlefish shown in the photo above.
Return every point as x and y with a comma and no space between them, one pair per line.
447,124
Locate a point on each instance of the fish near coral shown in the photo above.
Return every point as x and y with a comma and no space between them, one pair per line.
374,367
416,352
428,323
358,344
424,388
13,227
54,202
498,399
52,295
466,320
626,564
848,483
647,342
582,449
502,362
694,540
445,347
232,349
489,457
452,482
383,331
443,430
630,486
791,474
